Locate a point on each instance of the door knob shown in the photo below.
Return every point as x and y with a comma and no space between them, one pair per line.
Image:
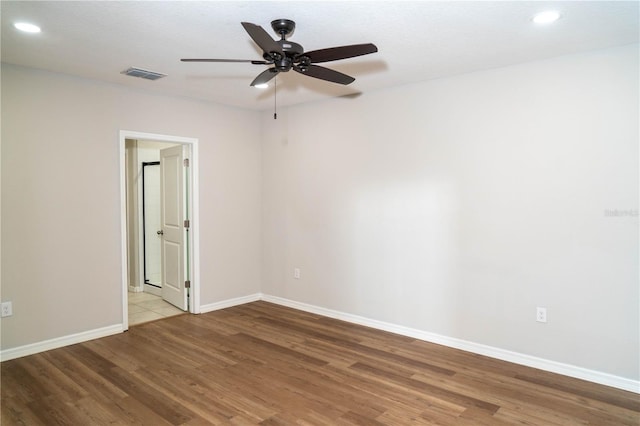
160,232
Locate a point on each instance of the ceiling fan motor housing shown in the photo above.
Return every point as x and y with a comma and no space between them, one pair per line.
292,52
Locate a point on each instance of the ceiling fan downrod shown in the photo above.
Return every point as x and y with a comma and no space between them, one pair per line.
284,27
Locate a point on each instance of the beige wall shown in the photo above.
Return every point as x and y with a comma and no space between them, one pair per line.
454,206
458,206
61,201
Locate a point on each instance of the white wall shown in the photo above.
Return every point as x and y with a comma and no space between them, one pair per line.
61,201
457,206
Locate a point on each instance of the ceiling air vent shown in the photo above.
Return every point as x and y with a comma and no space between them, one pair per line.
139,72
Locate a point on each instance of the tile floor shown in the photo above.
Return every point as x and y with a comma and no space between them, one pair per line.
145,307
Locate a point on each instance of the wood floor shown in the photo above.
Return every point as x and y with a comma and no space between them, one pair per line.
261,363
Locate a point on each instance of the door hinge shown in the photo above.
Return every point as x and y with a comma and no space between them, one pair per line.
187,223
186,162
187,284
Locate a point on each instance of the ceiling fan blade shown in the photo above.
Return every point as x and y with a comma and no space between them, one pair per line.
265,76
325,74
342,52
226,60
262,39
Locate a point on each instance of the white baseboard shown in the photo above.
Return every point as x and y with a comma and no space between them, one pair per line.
477,348
59,342
230,302
84,336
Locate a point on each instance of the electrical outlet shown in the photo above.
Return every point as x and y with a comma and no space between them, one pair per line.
541,314
296,273
7,309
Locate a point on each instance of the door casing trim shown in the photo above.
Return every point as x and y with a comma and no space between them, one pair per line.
194,207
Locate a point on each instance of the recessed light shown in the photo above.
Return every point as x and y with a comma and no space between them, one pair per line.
546,17
26,27
261,86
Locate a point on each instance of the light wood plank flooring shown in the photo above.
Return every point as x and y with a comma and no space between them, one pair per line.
265,364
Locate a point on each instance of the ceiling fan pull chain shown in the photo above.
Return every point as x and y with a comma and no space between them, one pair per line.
275,97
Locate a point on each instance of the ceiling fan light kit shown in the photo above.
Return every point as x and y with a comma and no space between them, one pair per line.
284,55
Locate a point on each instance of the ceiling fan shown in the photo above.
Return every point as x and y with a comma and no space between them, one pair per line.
286,55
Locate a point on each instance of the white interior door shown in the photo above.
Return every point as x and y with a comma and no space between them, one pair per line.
172,225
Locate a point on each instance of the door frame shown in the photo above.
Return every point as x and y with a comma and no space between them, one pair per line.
194,207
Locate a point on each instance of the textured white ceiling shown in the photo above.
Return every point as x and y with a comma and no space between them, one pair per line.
417,41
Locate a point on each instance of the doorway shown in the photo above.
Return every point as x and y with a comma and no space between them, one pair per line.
159,260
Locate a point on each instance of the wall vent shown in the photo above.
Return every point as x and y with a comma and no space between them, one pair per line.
139,72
